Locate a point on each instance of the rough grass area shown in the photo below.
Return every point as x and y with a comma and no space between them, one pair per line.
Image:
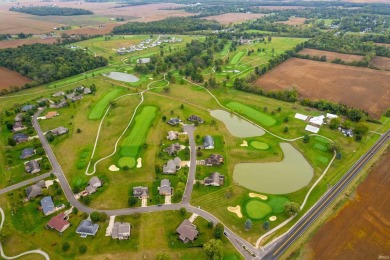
132,143
253,114
100,107
256,209
277,203
237,57
259,145
126,161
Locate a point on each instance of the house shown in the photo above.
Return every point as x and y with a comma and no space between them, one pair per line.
51,114
141,192
174,121
312,129
20,138
58,94
70,96
35,190
172,166
214,160
87,228
19,117
27,153
62,104
121,231
87,91
59,130
27,108
208,142
42,100
47,205
301,117
215,179
18,126
165,188
187,231
317,120
331,116
93,184
194,118
58,223
77,97
172,135
32,167
173,149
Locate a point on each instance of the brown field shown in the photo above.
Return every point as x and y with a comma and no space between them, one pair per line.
18,42
294,21
363,88
331,55
381,62
383,44
362,229
11,78
368,1
93,30
233,17
282,7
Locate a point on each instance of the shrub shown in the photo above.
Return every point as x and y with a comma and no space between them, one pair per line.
83,249
65,246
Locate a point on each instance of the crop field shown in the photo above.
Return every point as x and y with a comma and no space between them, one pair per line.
338,83
131,144
330,56
251,113
11,78
294,21
284,7
19,42
381,62
233,17
100,108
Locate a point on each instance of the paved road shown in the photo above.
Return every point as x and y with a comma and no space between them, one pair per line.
190,129
24,183
275,250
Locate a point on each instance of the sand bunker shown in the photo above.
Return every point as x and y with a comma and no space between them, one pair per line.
272,218
113,168
236,210
139,162
255,195
244,143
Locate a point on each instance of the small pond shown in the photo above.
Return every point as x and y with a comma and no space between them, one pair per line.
289,175
122,77
237,126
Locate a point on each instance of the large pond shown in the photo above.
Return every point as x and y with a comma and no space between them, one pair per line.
122,77
289,175
237,126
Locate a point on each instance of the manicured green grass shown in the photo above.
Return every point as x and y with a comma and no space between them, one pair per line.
132,143
101,106
237,57
254,114
277,203
323,159
256,209
126,161
322,140
320,147
259,145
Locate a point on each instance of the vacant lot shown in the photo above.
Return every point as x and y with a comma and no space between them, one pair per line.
11,78
362,229
19,42
381,62
294,21
233,17
331,55
362,88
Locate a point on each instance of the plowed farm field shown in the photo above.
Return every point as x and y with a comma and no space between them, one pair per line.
362,229
381,62
363,88
233,17
331,55
11,78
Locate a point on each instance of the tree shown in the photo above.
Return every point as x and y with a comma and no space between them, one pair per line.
95,216
181,106
218,230
214,249
285,129
183,211
163,256
132,201
266,225
210,224
285,119
11,141
4,234
40,151
291,208
65,246
75,210
334,147
78,130
164,118
306,139
248,224
334,123
83,249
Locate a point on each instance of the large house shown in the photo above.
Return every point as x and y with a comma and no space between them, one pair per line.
173,149
58,223
47,205
18,126
87,228
172,135
215,179
187,231
27,153
51,114
20,138
165,188
61,104
121,231
172,166
195,118
35,190
27,108
141,192
58,94
59,130
32,167
214,160
174,121
208,142
19,117
93,184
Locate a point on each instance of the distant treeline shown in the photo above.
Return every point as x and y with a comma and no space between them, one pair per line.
43,63
176,25
50,10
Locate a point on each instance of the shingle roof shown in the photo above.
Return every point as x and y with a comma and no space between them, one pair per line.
33,191
27,152
47,205
87,227
58,222
187,231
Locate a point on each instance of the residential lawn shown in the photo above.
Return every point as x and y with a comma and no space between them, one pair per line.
253,114
100,108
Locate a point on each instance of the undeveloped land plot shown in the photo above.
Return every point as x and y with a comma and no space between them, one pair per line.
18,42
233,17
362,229
11,78
331,55
362,88
294,21
381,62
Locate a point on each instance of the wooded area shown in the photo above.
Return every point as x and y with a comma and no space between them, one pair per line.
50,10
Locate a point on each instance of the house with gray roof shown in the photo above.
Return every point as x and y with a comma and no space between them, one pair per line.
20,138
187,231
141,192
214,160
194,118
35,190
32,167
174,121
172,166
165,188
18,126
27,108
19,117
47,205
87,228
121,231
87,91
59,130
173,149
61,104
93,184
58,94
27,153
215,179
208,142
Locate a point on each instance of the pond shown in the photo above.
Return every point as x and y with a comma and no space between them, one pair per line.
122,77
237,126
289,175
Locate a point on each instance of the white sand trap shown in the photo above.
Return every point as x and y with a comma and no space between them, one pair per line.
255,195
236,210
244,143
139,162
113,168
272,218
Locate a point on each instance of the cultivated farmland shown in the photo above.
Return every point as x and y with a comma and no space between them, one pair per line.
338,83
11,78
253,114
100,107
330,56
381,62
294,21
233,17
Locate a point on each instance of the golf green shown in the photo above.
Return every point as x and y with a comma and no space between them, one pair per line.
257,209
126,161
259,145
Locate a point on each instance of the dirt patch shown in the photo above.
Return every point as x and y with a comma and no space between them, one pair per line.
381,62
19,42
294,21
363,88
233,17
331,55
236,210
362,229
11,78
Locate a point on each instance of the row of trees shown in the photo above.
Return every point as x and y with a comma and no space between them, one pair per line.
50,10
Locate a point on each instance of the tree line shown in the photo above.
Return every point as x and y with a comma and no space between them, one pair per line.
50,10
